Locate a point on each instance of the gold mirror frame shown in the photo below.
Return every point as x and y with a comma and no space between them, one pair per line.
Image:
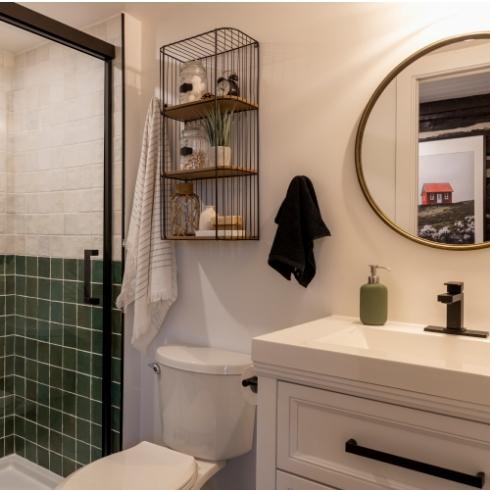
362,126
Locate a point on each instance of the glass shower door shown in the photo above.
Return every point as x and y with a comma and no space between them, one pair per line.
57,162
54,230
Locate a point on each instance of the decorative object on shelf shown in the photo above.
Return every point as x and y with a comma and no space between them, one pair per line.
228,84
218,128
192,81
207,218
230,222
228,226
220,155
193,147
184,210
226,108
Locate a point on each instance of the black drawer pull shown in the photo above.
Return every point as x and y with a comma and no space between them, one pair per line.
87,277
476,481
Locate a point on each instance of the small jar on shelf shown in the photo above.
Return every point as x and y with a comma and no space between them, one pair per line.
193,148
184,210
192,81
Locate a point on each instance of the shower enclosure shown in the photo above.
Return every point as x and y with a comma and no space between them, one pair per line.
60,222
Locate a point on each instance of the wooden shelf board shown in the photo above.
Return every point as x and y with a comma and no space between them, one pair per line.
171,237
209,173
199,108
197,238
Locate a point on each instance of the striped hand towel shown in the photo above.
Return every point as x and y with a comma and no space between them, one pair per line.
150,278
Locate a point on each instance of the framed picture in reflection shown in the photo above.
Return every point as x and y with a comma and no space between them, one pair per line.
451,189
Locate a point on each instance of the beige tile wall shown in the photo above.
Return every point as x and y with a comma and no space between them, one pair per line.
52,150
6,68
110,31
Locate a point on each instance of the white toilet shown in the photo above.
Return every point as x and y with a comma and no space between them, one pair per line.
206,420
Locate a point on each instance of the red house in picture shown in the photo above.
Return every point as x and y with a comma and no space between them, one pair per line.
437,193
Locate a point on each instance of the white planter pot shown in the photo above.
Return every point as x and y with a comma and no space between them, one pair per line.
219,156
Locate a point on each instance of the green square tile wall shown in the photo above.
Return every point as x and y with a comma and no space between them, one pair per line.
7,305
51,362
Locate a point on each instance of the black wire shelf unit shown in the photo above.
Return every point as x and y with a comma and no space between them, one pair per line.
210,94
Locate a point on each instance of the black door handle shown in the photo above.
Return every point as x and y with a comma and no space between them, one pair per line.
87,277
476,481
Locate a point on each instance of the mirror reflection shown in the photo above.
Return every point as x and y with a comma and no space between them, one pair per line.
424,147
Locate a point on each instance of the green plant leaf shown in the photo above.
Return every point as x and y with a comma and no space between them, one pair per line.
218,125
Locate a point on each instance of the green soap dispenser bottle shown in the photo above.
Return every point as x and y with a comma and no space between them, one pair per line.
374,299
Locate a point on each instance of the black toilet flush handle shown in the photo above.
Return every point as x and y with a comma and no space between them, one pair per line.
252,383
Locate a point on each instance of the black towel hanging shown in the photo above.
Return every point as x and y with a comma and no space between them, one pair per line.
299,223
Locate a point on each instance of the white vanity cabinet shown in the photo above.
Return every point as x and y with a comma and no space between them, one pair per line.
285,481
317,431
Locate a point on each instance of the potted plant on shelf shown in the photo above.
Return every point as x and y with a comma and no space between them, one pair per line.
218,128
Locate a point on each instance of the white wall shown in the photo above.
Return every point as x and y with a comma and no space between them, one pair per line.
379,151
319,65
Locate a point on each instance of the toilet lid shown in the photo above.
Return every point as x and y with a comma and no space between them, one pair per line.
143,467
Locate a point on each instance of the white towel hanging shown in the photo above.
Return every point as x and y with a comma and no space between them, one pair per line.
150,277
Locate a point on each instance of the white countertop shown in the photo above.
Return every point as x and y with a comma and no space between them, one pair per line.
398,355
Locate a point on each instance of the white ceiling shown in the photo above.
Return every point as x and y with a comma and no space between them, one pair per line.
76,14
15,40
455,87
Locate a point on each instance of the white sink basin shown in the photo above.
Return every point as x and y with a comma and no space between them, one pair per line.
412,344
398,355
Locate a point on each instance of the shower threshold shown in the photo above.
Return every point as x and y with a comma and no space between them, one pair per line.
17,473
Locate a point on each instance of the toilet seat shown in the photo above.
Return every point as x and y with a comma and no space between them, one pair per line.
145,466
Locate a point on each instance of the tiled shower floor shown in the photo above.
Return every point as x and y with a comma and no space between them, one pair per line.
13,479
19,474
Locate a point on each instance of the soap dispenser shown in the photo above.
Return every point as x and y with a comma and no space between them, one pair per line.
374,299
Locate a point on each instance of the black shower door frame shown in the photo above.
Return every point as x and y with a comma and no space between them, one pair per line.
29,20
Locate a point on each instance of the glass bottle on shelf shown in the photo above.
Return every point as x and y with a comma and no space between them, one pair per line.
184,210
193,148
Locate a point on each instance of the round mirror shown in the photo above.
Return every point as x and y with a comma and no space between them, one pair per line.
423,141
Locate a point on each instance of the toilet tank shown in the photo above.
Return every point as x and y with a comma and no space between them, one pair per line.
202,403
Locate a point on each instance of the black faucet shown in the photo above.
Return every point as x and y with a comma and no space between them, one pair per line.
454,299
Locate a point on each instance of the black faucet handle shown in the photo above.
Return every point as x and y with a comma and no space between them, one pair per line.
445,298
454,287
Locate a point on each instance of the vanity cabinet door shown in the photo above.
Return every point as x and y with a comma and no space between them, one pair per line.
291,482
316,429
